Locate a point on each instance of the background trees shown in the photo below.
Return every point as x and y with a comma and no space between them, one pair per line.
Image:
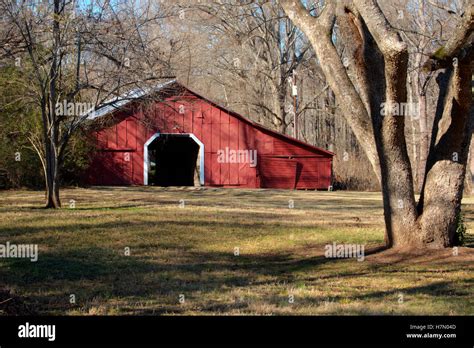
18,122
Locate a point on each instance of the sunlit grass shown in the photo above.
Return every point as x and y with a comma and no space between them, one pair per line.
226,251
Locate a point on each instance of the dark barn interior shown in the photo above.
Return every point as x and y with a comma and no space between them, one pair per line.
173,160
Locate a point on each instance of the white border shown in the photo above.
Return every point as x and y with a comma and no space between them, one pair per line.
146,159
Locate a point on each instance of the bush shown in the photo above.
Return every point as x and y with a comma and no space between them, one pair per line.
77,159
459,236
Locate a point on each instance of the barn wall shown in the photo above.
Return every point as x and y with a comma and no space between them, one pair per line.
120,161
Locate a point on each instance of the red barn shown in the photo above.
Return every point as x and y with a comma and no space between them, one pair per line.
179,138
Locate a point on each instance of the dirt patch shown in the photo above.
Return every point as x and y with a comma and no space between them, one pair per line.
443,256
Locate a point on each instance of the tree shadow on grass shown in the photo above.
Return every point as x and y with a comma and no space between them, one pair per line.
100,273
18,230
441,291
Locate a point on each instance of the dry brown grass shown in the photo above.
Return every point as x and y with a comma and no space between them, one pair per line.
189,251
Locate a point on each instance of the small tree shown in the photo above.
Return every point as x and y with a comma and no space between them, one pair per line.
372,97
74,56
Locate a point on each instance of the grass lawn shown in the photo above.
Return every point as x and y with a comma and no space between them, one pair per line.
183,244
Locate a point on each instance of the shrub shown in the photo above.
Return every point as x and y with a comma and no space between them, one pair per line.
459,236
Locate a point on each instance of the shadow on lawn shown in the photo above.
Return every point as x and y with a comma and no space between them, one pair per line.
98,276
218,197
443,291
99,273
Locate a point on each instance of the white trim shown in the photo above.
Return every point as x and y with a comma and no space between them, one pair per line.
146,159
201,159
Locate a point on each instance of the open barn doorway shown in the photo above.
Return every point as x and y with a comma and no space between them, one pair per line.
174,160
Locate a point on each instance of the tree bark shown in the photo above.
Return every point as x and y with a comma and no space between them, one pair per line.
424,140
440,202
52,177
432,222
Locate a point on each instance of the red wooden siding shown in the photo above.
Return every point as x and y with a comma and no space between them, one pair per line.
282,162
278,173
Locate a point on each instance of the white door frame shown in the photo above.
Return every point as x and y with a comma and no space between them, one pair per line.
146,158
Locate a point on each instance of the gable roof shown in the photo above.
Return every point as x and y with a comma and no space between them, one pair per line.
120,102
116,103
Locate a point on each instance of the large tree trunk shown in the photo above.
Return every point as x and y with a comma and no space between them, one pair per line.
440,202
397,180
380,74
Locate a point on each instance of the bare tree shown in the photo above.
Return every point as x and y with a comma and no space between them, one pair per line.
74,57
372,98
258,50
